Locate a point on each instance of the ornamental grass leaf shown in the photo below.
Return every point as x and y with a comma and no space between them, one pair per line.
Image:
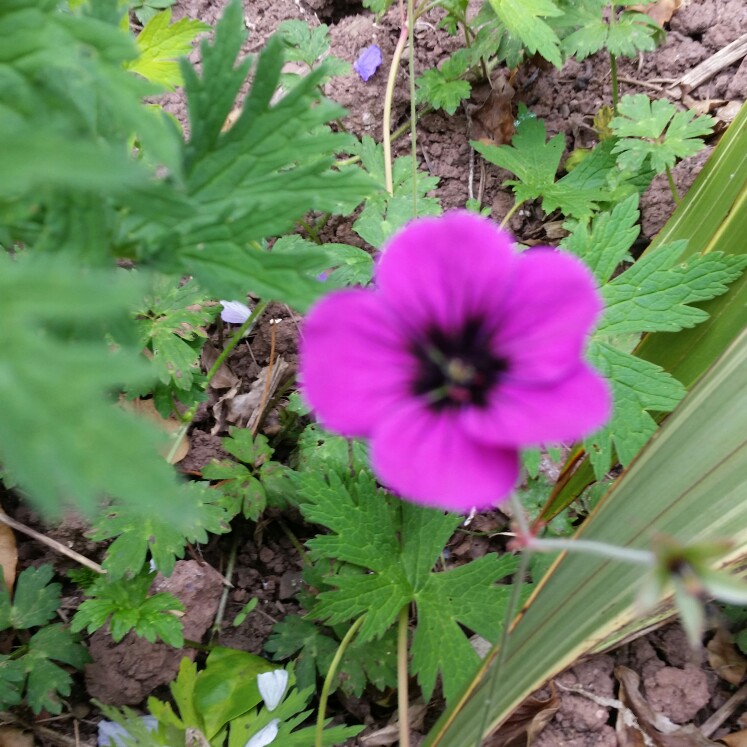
390,548
657,131
161,44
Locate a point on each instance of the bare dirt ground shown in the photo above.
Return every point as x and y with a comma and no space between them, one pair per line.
675,682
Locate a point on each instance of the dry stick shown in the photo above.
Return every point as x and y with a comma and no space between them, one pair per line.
266,389
215,630
714,64
709,726
54,544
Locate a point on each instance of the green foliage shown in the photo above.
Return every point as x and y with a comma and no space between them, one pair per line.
523,19
655,133
442,92
171,320
161,44
383,214
126,605
145,10
137,534
203,209
389,549
654,294
342,263
373,661
241,482
221,705
630,33
32,672
310,46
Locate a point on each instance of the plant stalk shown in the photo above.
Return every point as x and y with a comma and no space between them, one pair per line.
673,186
387,118
403,695
327,686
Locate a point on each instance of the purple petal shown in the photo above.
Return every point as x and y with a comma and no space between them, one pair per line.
235,312
445,270
368,62
428,458
354,362
550,308
530,415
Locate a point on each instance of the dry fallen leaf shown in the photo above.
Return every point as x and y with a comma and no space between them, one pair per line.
737,739
224,377
12,737
526,722
725,659
492,121
657,728
661,11
8,558
145,408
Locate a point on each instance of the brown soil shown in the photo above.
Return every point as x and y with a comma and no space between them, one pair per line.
685,689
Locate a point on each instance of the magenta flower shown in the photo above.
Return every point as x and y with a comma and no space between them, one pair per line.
463,353
368,62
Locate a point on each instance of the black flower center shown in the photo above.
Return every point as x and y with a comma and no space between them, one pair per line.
456,368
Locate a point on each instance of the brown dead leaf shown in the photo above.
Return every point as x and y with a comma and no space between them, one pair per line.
12,737
146,409
737,739
526,723
492,121
661,11
389,734
224,377
725,658
639,718
8,557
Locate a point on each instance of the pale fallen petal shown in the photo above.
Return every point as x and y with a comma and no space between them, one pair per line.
265,735
272,687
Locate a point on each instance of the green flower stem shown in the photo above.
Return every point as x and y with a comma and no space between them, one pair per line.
327,686
387,119
510,214
673,186
403,695
501,648
615,89
230,345
590,547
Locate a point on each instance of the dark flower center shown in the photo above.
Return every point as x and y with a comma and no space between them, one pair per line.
456,368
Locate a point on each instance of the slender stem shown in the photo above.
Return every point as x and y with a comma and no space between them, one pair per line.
673,186
511,609
615,90
215,630
387,119
230,345
510,214
327,686
413,112
403,696
591,547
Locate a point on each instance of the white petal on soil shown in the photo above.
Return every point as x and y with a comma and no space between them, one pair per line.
264,736
234,312
272,687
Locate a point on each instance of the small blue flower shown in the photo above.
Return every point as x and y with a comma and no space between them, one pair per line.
368,62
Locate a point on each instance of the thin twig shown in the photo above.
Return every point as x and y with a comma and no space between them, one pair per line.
54,544
403,695
215,630
266,389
